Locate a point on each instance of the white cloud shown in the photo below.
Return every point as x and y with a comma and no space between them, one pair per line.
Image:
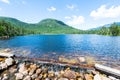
5,1
104,12
51,9
67,17
74,20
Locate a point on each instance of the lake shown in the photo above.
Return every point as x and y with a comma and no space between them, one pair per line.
103,47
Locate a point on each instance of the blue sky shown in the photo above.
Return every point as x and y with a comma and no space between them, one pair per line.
81,14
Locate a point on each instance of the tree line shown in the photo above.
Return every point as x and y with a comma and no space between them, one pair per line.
113,30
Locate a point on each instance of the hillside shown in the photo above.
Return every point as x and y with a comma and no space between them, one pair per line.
45,26
108,29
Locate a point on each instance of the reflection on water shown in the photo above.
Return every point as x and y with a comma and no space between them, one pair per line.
104,47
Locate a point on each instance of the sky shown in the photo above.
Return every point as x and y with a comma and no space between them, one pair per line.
80,14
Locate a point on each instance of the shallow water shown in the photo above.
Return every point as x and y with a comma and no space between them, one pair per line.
104,47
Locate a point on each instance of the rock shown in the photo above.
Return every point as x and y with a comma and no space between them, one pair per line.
112,78
27,78
105,78
5,77
88,77
47,79
33,66
13,70
45,76
37,79
34,76
97,77
63,79
79,79
7,50
38,71
81,59
3,66
94,72
56,73
22,67
51,74
9,61
31,72
45,70
25,72
70,74
19,76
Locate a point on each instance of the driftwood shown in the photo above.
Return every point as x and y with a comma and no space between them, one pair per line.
108,70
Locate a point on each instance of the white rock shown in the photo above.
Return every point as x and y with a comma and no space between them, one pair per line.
9,61
34,76
22,68
81,59
5,77
62,79
105,78
3,65
7,50
27,78
97,77
31,72
47,79
111,77
25,72
19,76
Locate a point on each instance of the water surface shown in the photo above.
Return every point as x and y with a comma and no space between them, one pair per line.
53,45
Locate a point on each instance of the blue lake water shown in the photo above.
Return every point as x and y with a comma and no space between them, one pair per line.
38,45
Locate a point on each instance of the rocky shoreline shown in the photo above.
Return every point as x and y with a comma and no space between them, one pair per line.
16,69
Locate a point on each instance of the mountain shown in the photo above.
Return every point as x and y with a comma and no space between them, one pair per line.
106,25
45,26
